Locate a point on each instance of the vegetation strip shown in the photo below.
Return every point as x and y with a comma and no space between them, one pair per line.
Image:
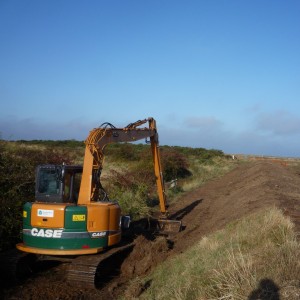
257,256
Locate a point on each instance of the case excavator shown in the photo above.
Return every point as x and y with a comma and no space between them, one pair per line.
72,215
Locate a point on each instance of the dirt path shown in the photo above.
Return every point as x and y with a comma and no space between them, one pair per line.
247,188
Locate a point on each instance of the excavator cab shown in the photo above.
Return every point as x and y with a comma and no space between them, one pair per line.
58,183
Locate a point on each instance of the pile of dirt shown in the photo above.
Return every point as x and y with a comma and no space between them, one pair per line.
246,189
146,255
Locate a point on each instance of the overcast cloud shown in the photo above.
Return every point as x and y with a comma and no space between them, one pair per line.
281,123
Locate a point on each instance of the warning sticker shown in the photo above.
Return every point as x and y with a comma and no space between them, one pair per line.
78,218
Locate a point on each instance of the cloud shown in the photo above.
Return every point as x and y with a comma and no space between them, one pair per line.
209,132
12,128
245,142
280,123
203,122
254,108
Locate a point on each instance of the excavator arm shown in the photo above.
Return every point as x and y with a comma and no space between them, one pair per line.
106,134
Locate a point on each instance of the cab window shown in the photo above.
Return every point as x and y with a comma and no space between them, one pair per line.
48,182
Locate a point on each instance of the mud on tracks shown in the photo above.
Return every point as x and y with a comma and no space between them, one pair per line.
246,189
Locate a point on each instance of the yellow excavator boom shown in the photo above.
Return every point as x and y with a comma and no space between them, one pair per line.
106,134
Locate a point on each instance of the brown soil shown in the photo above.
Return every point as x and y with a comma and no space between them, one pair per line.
248,188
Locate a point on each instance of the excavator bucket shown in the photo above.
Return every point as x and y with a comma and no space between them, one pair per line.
168,226
156,226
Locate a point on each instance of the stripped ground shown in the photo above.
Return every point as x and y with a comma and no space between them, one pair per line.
246,189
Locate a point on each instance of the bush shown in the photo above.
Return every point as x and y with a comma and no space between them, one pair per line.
132,189
174,164
17,181
126,152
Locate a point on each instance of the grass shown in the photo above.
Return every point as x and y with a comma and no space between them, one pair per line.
205,172
257,256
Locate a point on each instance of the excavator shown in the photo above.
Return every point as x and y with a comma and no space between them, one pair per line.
72,215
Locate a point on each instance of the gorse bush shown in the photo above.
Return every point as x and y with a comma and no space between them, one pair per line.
135,188
175,164
53,144
17,180
132,189
126,152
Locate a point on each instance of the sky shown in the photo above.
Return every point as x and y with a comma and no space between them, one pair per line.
221,74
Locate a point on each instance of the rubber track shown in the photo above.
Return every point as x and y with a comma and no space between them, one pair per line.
82,270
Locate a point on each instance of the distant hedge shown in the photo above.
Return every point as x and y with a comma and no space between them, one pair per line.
51,143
